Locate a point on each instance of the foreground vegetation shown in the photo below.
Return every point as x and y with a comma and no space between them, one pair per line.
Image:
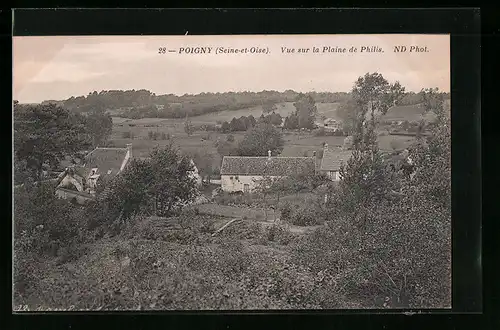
383,236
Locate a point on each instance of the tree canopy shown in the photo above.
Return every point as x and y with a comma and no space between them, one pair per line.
260,139
45,134
306,111
157,185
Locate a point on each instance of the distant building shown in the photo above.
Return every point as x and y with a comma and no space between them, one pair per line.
332,161
331,124
244,173
81,181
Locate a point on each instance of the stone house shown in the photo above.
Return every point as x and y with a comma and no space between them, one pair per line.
242,174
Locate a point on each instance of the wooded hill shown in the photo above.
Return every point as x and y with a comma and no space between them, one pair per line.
143,103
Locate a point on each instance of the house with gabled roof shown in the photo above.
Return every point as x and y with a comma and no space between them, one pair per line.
80,181
332,160
239,173
331,124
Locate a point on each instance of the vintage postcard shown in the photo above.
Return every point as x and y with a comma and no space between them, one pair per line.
231,172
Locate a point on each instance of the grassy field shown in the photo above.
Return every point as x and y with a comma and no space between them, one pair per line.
295,144
328,110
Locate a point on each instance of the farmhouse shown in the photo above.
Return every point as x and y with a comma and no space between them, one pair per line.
331,124
332,160
80,182
244,173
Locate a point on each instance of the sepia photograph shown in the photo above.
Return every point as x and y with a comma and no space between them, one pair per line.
231,172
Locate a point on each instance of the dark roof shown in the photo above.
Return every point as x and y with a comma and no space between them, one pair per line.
333,158
106,159
274,166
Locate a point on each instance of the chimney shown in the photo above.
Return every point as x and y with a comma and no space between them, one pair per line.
269,154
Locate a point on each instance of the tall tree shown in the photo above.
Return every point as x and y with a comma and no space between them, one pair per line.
99,126
306,111
173,186
204,163
292,122
157,185
260,139
276,119
269,107
373,94
235,125
188,127
45,134
365,175
347,112
251,121
227,148
225,127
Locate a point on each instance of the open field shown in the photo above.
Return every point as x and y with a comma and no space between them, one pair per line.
328,110
403,142
295,144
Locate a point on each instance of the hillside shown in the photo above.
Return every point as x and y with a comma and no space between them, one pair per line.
406,112
135,104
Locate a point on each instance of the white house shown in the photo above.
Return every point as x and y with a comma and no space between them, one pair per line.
81,181
332,160
244,173
331,124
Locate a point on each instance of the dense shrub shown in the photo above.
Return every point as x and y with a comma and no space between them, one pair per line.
276,233
226,198
302,213
127,135
305,216
320,132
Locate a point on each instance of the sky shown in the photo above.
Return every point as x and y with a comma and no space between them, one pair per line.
58,67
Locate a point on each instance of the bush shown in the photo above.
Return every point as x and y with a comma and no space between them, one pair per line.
301,213
226,198
320,132
285,211
278,234
230,138
127,135
305,216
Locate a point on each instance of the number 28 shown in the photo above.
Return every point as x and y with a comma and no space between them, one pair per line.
162,50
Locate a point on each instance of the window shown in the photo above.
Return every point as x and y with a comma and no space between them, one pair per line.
230,178
246,188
